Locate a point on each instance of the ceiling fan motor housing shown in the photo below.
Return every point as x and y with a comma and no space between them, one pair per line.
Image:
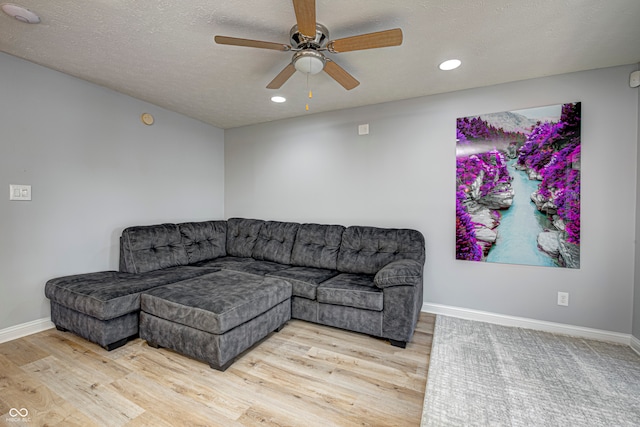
300,41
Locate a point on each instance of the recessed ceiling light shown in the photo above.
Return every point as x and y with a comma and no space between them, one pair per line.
278,99
450,64
20,13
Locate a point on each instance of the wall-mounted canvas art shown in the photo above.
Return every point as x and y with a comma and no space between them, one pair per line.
518,187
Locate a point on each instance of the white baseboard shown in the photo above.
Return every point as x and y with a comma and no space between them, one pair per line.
539,325
635,344
19,331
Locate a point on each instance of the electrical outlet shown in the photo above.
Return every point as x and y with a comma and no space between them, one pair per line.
563,298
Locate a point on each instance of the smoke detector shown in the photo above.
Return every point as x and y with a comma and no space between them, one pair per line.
20,13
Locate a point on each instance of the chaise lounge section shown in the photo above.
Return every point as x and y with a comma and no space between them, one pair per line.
179,284
104,307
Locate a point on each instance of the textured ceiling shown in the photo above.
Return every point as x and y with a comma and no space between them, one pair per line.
163,52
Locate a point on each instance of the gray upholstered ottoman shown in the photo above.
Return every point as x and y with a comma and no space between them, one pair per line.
214,318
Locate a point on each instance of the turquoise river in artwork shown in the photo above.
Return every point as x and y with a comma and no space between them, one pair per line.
522,222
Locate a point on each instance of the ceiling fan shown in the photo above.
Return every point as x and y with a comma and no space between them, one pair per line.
309,40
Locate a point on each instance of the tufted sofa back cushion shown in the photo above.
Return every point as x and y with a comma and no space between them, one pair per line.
317,245
152,247
367,249
275,241
242,234
204,240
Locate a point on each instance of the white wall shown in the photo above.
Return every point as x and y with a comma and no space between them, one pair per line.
316,168
94,169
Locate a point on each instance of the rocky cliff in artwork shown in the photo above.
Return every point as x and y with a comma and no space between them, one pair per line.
484,187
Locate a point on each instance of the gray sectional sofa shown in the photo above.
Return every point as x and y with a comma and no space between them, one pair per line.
213,289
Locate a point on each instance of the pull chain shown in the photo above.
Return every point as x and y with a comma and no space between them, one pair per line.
310,94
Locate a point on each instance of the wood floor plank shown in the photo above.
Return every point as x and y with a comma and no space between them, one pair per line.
292,403
261,415
79,355
147,419
334,337
21,351
378,353
306,374
168,405
20,390
59,417
164,373
381,371
314,388
97,401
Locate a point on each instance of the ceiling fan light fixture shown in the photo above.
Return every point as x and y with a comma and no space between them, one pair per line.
309,61
450,64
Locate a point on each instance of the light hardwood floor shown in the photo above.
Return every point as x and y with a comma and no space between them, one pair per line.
304,375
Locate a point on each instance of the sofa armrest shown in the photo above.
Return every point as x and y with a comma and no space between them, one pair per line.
401,283
404,272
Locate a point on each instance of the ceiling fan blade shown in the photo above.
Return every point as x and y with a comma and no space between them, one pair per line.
367,41
306,16
234,41
282,77
340,75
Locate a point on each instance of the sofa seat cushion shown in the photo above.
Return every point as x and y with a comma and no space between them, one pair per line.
217,302
351,290
305,280
106,295
223,262
260,268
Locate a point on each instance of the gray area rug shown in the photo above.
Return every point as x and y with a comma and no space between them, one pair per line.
482,374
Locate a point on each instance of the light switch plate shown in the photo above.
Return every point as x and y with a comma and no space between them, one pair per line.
19,192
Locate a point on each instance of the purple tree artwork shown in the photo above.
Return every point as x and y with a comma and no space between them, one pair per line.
518,187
